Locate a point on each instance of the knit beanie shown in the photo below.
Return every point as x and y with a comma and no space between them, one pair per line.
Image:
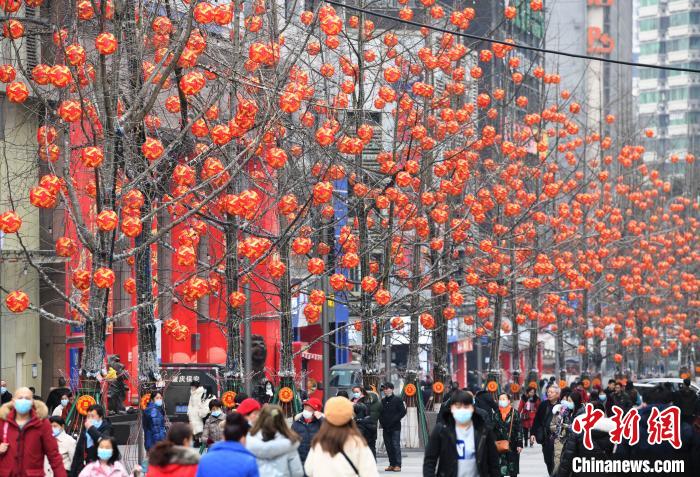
338,411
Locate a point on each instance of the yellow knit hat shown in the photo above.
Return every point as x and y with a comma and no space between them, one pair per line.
338,411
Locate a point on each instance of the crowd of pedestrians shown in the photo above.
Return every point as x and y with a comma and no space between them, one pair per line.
478,433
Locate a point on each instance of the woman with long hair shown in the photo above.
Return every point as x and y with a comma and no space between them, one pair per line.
338,449
174,457
274,444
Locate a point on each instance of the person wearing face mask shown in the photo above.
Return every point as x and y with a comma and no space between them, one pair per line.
63,407
393,410
5,394
154,420
26,438
541,425
307,425
250,409
65,442
507,427
527,408
107,463
175,456
56,394
461,444
95,427
570,407
213,431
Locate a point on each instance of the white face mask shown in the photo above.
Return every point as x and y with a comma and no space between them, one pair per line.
503,402
307,414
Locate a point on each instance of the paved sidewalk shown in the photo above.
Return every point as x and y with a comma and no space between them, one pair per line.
531,463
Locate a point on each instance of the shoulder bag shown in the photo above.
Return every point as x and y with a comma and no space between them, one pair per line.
503,445
354,469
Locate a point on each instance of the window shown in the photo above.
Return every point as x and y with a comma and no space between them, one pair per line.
648,3
648,24
678,94
650,48
685,18
650,97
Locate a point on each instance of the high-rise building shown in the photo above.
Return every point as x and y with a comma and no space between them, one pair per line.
669,101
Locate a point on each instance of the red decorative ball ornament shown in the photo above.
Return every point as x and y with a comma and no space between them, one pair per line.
10,222
107,220
65,247
81,279
104,277
92,156
106,43
131,226
17,92
42,197
152,149
17,301
237,299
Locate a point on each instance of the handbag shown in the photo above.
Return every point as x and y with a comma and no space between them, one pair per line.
503,445
354,469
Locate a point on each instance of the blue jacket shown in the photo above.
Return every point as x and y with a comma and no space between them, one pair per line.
228,459
153,425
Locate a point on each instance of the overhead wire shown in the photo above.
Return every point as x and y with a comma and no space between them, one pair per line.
513,44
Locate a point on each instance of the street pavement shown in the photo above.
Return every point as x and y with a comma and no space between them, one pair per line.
531,463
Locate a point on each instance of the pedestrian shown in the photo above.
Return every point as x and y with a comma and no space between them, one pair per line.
368,424
230,458
213,426
307,425
56,394
64,405
154,420
540,425
107,463
609,397
483,400
507,429
95,427
66,444
339,450
274,444
250,409
686,400
393,410
26,438
574,446
174,457
461,444
196,411
5,394
527,408
569,407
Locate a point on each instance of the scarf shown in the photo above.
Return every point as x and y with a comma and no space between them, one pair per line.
505,411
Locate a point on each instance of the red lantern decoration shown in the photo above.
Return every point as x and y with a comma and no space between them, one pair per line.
185,255
192,83
17,92
13,29
17,301
382,297
106,43
312,313
81,279
10,222
104,277
152,149
338,281
7,73
65,247
427,321
131,226
91,156
42,197
276,157
316,266
107,220
236,299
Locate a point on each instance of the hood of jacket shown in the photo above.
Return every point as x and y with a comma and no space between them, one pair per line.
40,409
272,449
181,455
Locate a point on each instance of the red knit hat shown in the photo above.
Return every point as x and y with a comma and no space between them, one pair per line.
314,404
247,406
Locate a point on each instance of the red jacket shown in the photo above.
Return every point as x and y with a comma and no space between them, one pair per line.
527,411
174,461
28,446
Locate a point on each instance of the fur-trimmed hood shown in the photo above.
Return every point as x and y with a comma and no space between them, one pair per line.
40,409
164,454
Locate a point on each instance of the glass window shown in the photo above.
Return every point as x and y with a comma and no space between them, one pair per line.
648,3
650,48
648,24
649,97
685,18
678,94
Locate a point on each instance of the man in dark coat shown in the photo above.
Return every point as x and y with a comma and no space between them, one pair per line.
308,425
5,394
367,419
393,410
686,400
96,427
461,443
540,425
574,447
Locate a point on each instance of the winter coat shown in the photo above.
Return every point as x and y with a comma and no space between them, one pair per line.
84,454
602,447
560,430
5,397
441,458
374,405
307,431
213,432
197,409
543,417
393,410
527,408
182,462
95,469
686,400
28,446
320,463
364,421
54,398
278,457
153,425
228,459
66,447
508,462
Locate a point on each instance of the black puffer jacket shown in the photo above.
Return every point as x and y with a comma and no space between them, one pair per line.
364,421
574,447
307,431
441,459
